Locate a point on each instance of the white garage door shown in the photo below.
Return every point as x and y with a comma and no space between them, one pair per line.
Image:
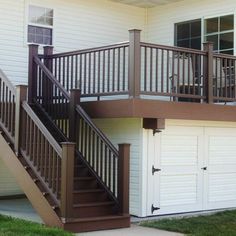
194,168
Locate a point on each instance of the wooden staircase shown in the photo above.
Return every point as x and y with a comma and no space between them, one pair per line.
59,177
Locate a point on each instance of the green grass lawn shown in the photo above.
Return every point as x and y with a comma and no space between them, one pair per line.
16,227
219,224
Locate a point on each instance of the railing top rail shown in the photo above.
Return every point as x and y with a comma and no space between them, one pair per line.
49,74
224,56
173,48
42,128
82,113
89,50
7,81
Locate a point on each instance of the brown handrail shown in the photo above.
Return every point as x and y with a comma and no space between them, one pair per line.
173,48
83,51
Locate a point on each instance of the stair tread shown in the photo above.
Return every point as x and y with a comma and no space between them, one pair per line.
107,203
98,218
96,190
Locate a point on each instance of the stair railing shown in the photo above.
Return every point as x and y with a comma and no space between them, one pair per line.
110,166
7,106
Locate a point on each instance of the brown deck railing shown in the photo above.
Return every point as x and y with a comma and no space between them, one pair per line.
171,71
7,106
139,69
224,77
100,71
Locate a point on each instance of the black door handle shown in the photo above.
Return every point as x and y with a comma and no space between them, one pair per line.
204,168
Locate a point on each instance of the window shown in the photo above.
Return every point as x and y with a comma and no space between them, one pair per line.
220,31
40,26
188,34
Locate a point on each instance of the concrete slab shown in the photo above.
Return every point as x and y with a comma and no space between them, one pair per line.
134,230
19,208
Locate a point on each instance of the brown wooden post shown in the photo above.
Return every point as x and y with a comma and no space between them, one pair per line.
123,178
21,95
32,72
74,101
67,179
134,63
208,71
47,87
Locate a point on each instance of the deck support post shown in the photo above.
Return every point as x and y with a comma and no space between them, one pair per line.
208,71
75,95
47,86
67,179
32,72
134,63
123,178
21,95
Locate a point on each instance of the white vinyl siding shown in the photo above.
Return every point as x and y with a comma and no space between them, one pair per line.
77,24
128,131
8,184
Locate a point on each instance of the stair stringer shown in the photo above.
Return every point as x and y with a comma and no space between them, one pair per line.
27,184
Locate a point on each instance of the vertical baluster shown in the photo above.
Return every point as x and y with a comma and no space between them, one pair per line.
38,149
6,107
99,73
114,174
76,72
97,153
81,73
63,71
124,68
89,74
104,71
189,74
108,71
68,73
72,73
145,69
167,71
101,161
162,70
157,65
94,72
151,70
53,171
109,169
118,71
183,72
113,69
105,164
50,166
46,159
85,74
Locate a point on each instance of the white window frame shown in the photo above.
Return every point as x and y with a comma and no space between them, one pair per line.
27,22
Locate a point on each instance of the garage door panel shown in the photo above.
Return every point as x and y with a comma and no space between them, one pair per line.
222,187
179,150
178,189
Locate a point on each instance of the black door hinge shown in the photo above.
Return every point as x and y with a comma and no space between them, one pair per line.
154,208
155,170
